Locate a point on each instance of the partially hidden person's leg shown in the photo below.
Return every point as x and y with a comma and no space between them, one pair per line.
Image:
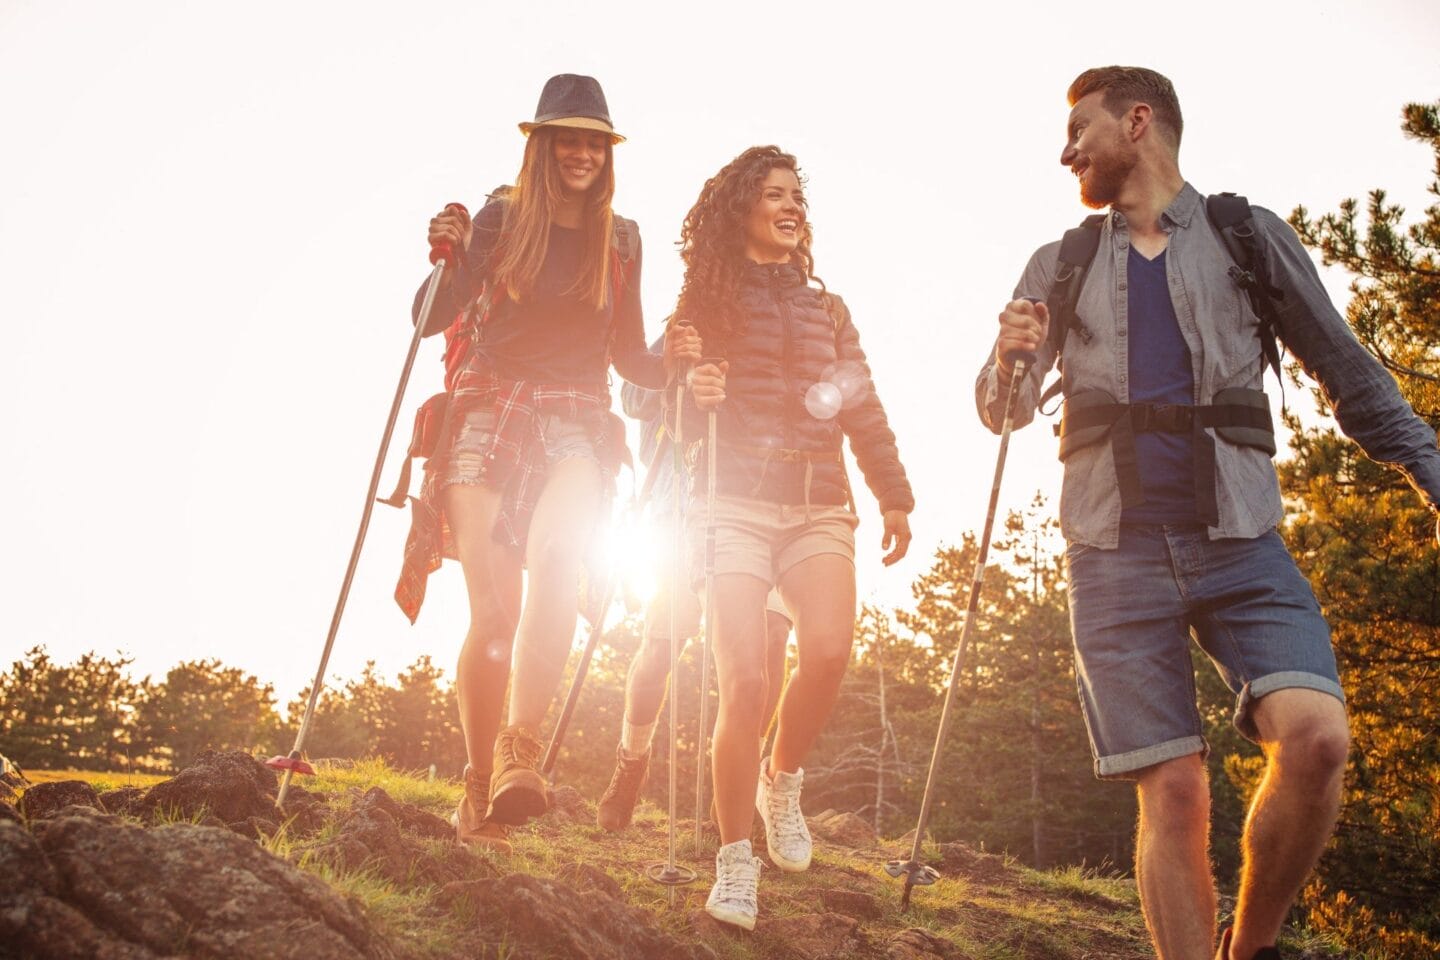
645,685
492,583
777,639
560,529
1172,858
1264,630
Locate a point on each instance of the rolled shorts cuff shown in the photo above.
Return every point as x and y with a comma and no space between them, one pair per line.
1122,766
1281,680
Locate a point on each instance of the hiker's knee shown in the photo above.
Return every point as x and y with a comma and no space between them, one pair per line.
742,692
1175,793
1314,753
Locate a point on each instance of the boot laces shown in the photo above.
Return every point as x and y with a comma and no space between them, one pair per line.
521,748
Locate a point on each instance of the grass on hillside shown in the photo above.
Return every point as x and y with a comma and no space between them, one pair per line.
1018,915
1013,913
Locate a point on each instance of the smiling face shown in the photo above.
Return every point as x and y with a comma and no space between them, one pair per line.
776,223
580,156
1097,151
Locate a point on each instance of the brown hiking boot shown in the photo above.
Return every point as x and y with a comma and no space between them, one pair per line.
517,791
469,816
617,804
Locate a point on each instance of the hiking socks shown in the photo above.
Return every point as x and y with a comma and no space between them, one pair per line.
635,738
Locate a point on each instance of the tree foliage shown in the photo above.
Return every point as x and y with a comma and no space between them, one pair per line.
1366,541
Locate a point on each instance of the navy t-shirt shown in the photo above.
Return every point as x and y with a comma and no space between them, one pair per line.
1160,372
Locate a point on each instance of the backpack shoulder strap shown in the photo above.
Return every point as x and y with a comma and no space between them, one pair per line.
1077,250
623,238
1232,216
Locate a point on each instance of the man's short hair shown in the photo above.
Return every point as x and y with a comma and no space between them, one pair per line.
1125,86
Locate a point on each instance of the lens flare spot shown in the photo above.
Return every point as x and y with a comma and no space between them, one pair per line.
823,400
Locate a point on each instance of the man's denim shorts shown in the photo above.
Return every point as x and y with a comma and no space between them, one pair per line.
563,439
1133,611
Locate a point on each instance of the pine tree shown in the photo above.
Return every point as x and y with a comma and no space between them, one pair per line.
1366,542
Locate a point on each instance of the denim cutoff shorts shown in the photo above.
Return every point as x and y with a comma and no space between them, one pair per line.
1133,611
564,439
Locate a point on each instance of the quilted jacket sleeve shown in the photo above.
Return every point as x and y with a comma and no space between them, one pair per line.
864,422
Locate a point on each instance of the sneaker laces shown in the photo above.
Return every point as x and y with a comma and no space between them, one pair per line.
786,820
737,881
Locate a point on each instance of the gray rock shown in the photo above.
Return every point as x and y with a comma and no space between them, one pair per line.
47,799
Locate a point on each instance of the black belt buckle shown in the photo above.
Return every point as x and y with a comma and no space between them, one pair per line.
1162,417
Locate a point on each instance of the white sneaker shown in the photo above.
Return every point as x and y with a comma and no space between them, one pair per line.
737,877
786,835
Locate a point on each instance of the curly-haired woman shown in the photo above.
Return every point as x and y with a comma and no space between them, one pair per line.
548,293
793,381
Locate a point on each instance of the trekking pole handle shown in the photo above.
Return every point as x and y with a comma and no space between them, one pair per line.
1020,361
443,250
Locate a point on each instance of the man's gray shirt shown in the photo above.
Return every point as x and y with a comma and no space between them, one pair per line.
1222,332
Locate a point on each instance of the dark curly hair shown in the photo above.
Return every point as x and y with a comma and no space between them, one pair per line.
712,244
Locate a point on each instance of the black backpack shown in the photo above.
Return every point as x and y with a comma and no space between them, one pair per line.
1228,213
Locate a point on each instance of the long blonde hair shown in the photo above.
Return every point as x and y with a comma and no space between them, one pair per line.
525,236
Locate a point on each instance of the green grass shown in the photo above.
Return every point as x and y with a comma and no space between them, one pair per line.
1019,915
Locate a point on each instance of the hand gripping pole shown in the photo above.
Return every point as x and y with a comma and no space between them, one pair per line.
914,872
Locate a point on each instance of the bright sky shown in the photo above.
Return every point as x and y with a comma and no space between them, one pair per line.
212,222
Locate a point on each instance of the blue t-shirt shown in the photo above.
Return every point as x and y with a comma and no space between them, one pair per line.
1160,372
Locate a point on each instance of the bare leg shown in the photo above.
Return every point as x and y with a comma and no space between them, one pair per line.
741,672
1305,736
650,669
820,592
560,529
1172,859
492,582
777,636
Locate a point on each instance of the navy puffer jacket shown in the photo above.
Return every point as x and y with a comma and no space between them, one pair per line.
767,431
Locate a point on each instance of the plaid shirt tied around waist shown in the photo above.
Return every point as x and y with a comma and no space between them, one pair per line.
515,462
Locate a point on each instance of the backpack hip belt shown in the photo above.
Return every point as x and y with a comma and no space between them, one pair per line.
1237,415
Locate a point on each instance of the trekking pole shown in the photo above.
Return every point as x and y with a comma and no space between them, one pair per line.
668,873
597,629
441,255
914,872
707,638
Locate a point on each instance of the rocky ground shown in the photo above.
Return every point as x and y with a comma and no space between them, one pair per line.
205,865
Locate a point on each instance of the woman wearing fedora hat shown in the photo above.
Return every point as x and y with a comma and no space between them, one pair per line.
547,295
793,383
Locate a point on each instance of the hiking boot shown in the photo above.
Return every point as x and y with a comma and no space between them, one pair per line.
469,816
517,791
617,804
1265,953
737,879
786,835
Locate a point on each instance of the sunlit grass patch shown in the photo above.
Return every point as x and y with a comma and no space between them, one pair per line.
102,781
438,796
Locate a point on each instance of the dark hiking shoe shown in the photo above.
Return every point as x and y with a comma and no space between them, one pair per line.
1264,953
617,804
469,820
517,791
